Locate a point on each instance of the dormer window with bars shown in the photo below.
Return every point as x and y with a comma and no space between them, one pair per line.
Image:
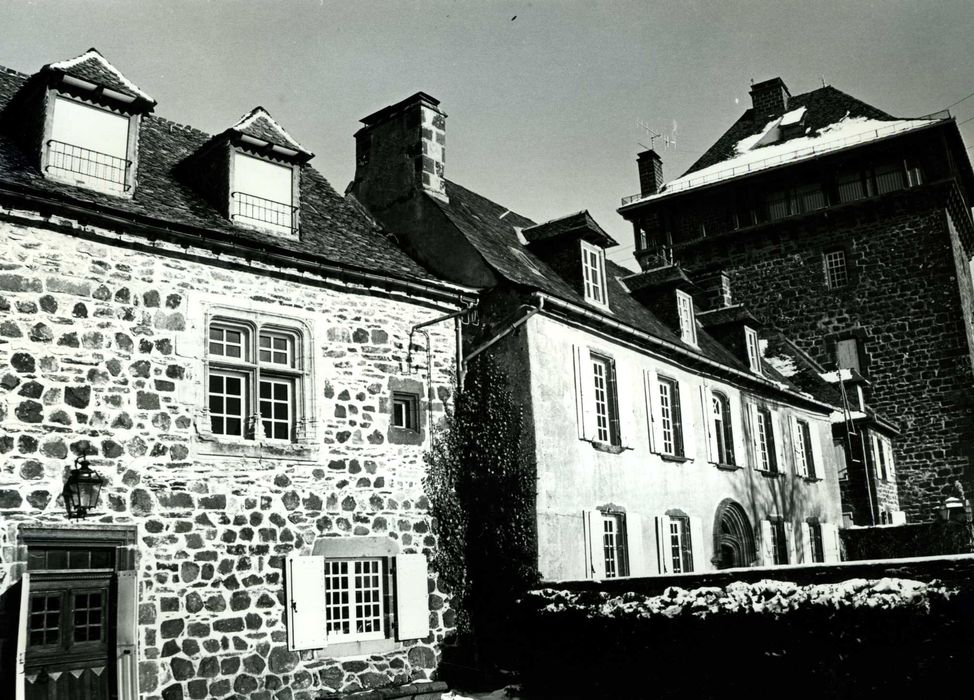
262,194
593,274
688,322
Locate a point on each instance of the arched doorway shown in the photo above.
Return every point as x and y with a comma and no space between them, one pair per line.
733,536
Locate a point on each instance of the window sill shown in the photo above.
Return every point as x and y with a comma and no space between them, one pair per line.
679,459
727,467
213,445
812,479
770,475
607,447
363,648
405,436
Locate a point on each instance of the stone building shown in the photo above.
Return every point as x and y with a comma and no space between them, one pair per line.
225,338
661,440
850,231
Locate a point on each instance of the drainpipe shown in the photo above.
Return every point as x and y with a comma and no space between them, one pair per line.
459,340
504,332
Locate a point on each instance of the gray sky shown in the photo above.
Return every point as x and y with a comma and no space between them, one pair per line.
543,109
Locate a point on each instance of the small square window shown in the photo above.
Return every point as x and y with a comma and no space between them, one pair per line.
405,411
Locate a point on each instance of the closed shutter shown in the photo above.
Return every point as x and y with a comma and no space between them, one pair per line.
790,545
697,543
306,611
767,544
751,411
627,390
890,467
877,459
798,448
807,552
779,442
653,410
127,635
612,397
412,597
19,690
818,469
580,375
737,423
637,548
682,442
594,543
663,564
830,542
707,415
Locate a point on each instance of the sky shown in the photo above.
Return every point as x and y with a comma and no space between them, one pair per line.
548,102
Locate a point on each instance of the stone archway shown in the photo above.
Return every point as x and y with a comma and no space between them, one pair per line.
733,536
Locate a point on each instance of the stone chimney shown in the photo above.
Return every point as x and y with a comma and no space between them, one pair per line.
715,290
770,98
650,172
401,149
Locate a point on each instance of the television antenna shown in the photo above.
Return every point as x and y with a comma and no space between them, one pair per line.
668,141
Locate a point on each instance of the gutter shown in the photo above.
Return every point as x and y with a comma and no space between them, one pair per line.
186,234
506,330
661,344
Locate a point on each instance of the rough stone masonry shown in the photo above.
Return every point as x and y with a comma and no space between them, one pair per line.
101,350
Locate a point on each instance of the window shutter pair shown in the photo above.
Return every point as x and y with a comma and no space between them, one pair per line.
584,393
664,552
805,546
126,639
830,542
307,614
798,447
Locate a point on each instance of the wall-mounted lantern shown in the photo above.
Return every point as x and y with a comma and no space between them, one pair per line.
81,489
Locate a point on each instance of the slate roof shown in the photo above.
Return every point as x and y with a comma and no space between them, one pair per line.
261,125
491,229
580,224
331,228
95,68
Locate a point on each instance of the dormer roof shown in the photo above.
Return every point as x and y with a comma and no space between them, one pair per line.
658,280
92,72
578,225
259,129
726,315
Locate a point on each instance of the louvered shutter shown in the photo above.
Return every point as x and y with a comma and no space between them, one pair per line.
818,461
767,544
627,398
656,424
798,447
807,552
707,415
737,424
637,548
697,543
412,597
751,411
790,545
830,542
580,375
306,612
127,635
779,442
663,564
19,680
594,541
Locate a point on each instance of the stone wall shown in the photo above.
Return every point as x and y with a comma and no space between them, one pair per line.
905,303
101,349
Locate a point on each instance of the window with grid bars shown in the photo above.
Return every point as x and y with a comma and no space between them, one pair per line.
355,601
767,458
671,419
593,274
614,545
606,400
815,534
254,380
688,324
779,543
804,458
722,427
836,271
681,548
753,349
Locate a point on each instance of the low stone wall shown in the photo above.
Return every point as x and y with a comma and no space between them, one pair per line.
411,691
889,542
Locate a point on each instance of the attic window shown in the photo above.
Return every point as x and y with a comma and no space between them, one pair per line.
89,146
593,273
262,195
753,349
688,323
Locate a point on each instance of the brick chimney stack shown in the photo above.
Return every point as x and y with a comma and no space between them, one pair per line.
715,290
650,172
401,149
770,98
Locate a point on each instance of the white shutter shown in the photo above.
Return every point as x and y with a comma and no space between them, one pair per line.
876,467
752,420
830,542
808,555
579,366
588,394
688,426
818,461
412,597
627,392
798,447
594,541
790,543
707,414
737,424
767,544
890,467
663,565
127,635
779,441
306,612
637,548
657,426
697,544
19,690
651,420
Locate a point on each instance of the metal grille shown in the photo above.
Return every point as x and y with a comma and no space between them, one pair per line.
90,165
251,208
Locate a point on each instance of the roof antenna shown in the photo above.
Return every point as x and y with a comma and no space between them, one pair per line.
668,141
823,80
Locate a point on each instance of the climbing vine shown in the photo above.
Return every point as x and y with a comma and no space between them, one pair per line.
482,496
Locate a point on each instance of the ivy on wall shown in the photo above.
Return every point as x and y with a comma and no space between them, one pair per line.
482,497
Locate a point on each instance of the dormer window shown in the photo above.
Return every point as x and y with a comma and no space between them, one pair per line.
89,146
593,274
688,323
753,349
262,194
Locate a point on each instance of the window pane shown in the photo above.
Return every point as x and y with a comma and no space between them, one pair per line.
276,407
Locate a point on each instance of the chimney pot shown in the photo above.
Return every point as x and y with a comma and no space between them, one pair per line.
770,98
650,172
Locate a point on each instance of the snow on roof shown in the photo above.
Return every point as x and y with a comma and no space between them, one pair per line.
752,157
834,376
258,113
840,417
793,117
94,55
